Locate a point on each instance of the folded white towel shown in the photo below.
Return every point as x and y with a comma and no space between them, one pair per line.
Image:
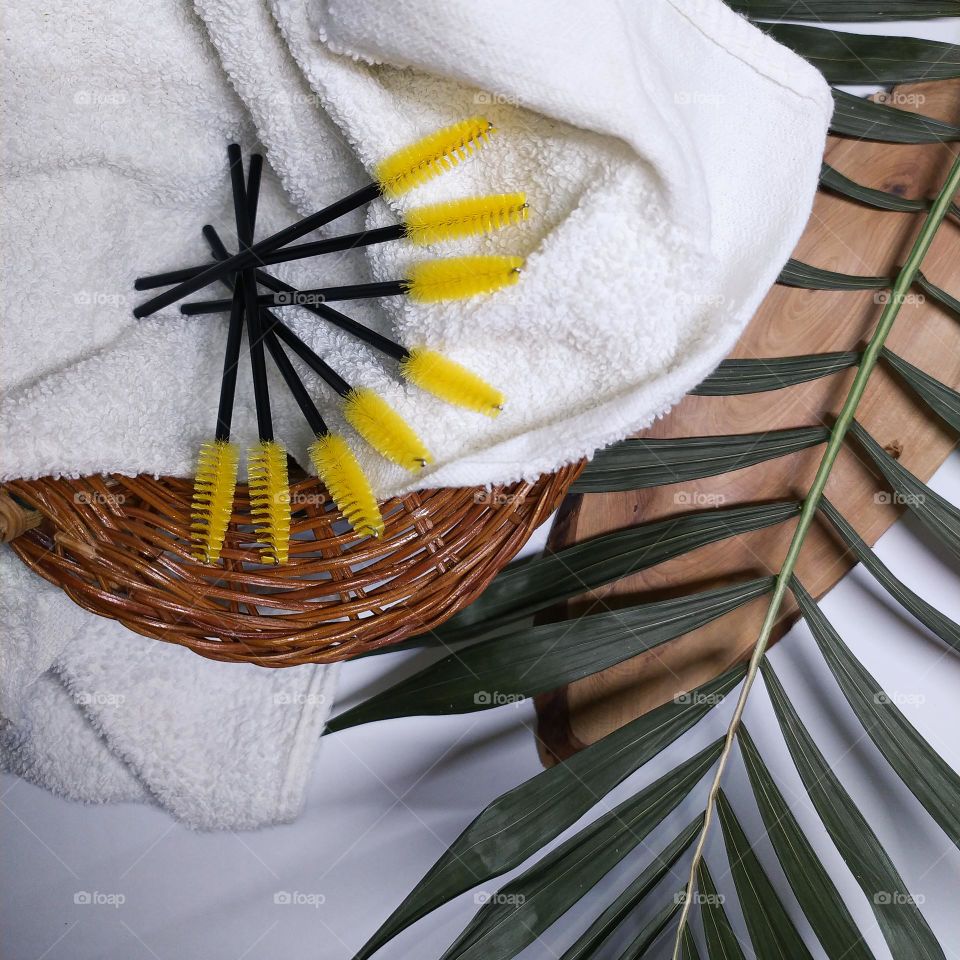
669,151
119,151
115,716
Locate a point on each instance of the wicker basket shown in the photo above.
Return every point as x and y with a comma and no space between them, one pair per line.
119,547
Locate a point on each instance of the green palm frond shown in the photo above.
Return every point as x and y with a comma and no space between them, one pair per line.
788,905
771,930
845,422
635,464
932,781
866,120
521,822
844,57
941,296
833,180
739,377
530,586
797,274
809,880
600,931
823,11
941,399
520,911
938,515
904,927
688,946
936,622
533,660
649,935
721,939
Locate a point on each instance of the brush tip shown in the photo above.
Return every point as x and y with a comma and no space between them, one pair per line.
385,430
451,381
347,484
212,505
456,278
470,216
269,488
431,156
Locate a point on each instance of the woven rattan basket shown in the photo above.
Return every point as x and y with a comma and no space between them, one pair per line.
119,547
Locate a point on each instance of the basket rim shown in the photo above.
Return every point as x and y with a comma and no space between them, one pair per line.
119,547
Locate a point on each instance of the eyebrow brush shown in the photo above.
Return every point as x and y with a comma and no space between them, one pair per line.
367,412
394,176
215,482
422,226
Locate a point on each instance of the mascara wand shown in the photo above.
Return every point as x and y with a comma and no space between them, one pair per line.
267,480
215,482
394,176
451,278
367,412
422,226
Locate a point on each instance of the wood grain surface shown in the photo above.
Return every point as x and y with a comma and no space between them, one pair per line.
844,236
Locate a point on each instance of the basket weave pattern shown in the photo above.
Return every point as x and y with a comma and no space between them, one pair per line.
119,547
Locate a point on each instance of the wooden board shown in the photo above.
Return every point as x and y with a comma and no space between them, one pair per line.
843,236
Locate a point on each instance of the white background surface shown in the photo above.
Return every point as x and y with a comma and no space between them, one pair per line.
385,800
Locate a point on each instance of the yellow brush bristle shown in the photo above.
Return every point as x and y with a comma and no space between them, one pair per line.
451,381
455,278
213,490
347,484
465,218
431,156
384,429
270,499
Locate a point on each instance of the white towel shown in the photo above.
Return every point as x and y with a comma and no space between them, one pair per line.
669,150
108,716
119,145
670,154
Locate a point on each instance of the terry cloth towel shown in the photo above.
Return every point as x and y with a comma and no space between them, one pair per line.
668,149
114,140
113,716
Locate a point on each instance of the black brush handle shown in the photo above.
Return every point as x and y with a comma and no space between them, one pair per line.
358,330
311,359
304,298
231,356
295,385
252,196
248,285
317,248
248,257
277,326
